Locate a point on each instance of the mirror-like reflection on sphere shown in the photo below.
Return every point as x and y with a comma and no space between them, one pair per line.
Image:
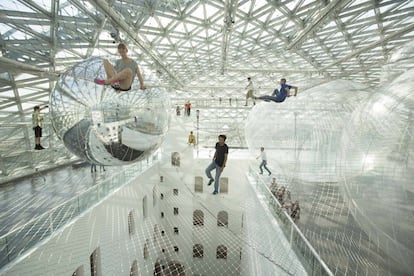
104,127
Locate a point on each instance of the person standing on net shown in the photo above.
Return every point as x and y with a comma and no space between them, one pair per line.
37,122
191,139
121,76
188,108
264,161
218,163
249,89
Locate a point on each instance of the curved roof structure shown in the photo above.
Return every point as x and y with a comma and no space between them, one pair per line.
200,50
194,46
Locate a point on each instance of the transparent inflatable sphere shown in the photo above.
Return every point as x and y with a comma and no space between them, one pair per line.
103,127
377,167
301,136
400,61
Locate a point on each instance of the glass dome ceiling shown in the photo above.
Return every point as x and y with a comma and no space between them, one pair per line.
201,48
204,50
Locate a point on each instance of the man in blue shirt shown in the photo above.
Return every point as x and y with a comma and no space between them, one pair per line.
281,94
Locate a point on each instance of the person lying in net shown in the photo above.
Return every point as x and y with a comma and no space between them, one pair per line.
281,94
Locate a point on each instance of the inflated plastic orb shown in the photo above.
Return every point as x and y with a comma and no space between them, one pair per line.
103,127
301,136
400,61
377,167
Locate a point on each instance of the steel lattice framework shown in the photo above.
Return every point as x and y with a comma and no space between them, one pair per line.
201,48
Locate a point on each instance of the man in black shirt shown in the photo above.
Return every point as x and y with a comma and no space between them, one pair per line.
219,162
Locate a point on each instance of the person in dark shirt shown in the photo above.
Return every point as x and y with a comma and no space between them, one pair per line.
295,211
281,94
218,163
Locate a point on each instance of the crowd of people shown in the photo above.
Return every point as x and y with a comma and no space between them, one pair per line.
284,197
93,168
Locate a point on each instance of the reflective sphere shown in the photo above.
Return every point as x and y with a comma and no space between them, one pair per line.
103,127
377,167
301,136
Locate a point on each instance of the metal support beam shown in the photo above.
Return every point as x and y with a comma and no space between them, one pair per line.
229,20
117,19
365,49
11,65
20,111
326,12
273,70
53,32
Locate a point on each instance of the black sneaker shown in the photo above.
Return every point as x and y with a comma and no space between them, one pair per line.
41,148
37,147
215,192
210,181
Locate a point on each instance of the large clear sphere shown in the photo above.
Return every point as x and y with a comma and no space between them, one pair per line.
103,127
400,61
301,136
377,166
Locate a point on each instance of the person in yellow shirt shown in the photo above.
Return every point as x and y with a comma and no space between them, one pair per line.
191,139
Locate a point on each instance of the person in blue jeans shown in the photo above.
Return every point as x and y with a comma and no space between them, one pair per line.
281,94
218,163
263,156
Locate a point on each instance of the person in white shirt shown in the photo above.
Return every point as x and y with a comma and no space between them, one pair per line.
264,161
249,89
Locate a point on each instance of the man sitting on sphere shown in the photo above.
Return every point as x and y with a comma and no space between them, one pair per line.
122,75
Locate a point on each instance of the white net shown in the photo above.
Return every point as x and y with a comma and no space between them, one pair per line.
153,221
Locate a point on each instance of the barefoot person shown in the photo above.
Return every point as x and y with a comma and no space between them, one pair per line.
121,76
